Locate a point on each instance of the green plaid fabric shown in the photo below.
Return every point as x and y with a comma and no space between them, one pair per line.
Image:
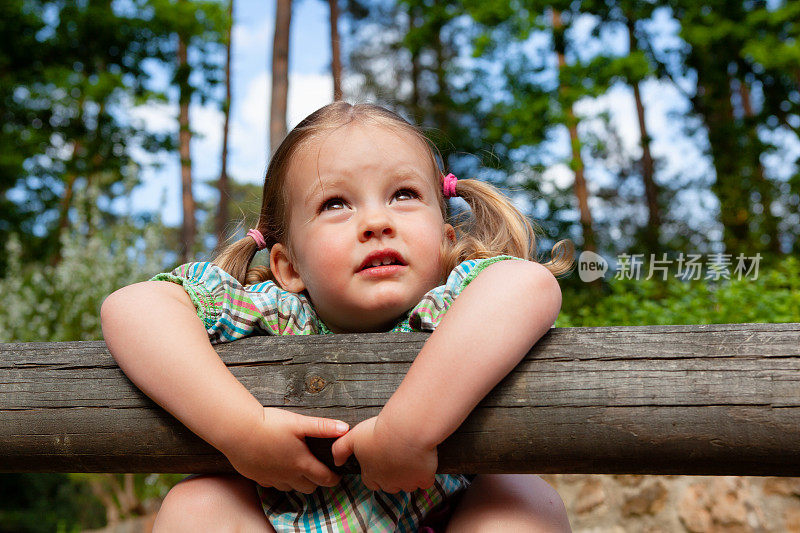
231,311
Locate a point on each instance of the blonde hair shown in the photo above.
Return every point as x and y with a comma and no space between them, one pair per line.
496,227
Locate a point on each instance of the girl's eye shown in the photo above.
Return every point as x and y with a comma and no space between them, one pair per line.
406,194
332,204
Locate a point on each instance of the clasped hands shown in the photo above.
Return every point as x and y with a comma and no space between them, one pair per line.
274,453
389,462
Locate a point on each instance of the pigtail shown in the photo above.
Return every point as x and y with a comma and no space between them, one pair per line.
562,257
497,227
236,257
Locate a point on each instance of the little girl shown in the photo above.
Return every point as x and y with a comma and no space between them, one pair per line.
354,217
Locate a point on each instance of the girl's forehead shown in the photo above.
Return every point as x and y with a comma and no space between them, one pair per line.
356,135
357,148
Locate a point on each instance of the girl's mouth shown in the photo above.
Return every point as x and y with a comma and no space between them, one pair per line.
382,271
382,261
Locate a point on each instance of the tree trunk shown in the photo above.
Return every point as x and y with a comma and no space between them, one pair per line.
63,215
762,183
66,200
440,100
102,493
712,102
189,226
280,73
336,59
581,190
95,170
416,104
223,185
713,399
648,167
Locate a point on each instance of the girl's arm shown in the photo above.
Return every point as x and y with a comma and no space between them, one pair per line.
156,337
485,333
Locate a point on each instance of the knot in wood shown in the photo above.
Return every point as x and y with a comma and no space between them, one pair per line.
315,384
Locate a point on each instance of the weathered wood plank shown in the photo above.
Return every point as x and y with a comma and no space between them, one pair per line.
712,399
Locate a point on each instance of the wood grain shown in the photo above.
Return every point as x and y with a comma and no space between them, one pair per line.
710,399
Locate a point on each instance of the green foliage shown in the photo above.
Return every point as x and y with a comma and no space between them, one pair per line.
743,58
74,69
70,73
62,303
201,24
35,503
773,297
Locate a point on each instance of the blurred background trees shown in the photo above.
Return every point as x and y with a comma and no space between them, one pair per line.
521,93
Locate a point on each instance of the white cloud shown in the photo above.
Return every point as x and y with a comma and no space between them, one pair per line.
307,93
248,146
207,142
157,116
254,36
559,174
661,100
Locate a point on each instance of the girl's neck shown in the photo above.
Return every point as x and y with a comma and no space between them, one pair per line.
381,328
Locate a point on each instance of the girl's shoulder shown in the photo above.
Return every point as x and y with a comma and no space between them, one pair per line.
210,275
466,271
231,310
427,314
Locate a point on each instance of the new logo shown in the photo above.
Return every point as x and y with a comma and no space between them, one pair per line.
591,266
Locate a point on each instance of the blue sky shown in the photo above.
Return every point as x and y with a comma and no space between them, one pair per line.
310,87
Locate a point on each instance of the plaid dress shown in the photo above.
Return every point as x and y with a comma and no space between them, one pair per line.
231,311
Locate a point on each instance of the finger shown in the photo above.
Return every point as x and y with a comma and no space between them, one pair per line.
319,474
312,426
302,484
342,449
427,483
369,483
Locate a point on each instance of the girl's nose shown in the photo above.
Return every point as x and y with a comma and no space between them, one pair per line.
376,223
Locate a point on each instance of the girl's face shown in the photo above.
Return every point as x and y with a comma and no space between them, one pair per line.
362,196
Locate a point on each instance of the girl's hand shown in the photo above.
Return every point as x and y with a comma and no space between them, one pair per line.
275,453
388,462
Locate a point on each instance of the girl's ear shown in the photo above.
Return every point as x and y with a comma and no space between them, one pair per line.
283,269
450,233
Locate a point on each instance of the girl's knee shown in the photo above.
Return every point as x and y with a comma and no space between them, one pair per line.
536,502
194,495
218,502
510,503
549,504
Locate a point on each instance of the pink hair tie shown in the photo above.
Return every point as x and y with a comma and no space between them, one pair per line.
449,185
256,235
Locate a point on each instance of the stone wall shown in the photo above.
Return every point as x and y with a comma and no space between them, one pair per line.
655,504
677,504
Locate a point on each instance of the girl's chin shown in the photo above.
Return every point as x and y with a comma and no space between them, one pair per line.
389,300
380,318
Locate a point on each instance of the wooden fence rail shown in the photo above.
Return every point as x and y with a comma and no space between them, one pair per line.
711,399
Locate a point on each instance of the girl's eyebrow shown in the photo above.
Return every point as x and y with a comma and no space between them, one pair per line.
410,173
399,174
333,183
